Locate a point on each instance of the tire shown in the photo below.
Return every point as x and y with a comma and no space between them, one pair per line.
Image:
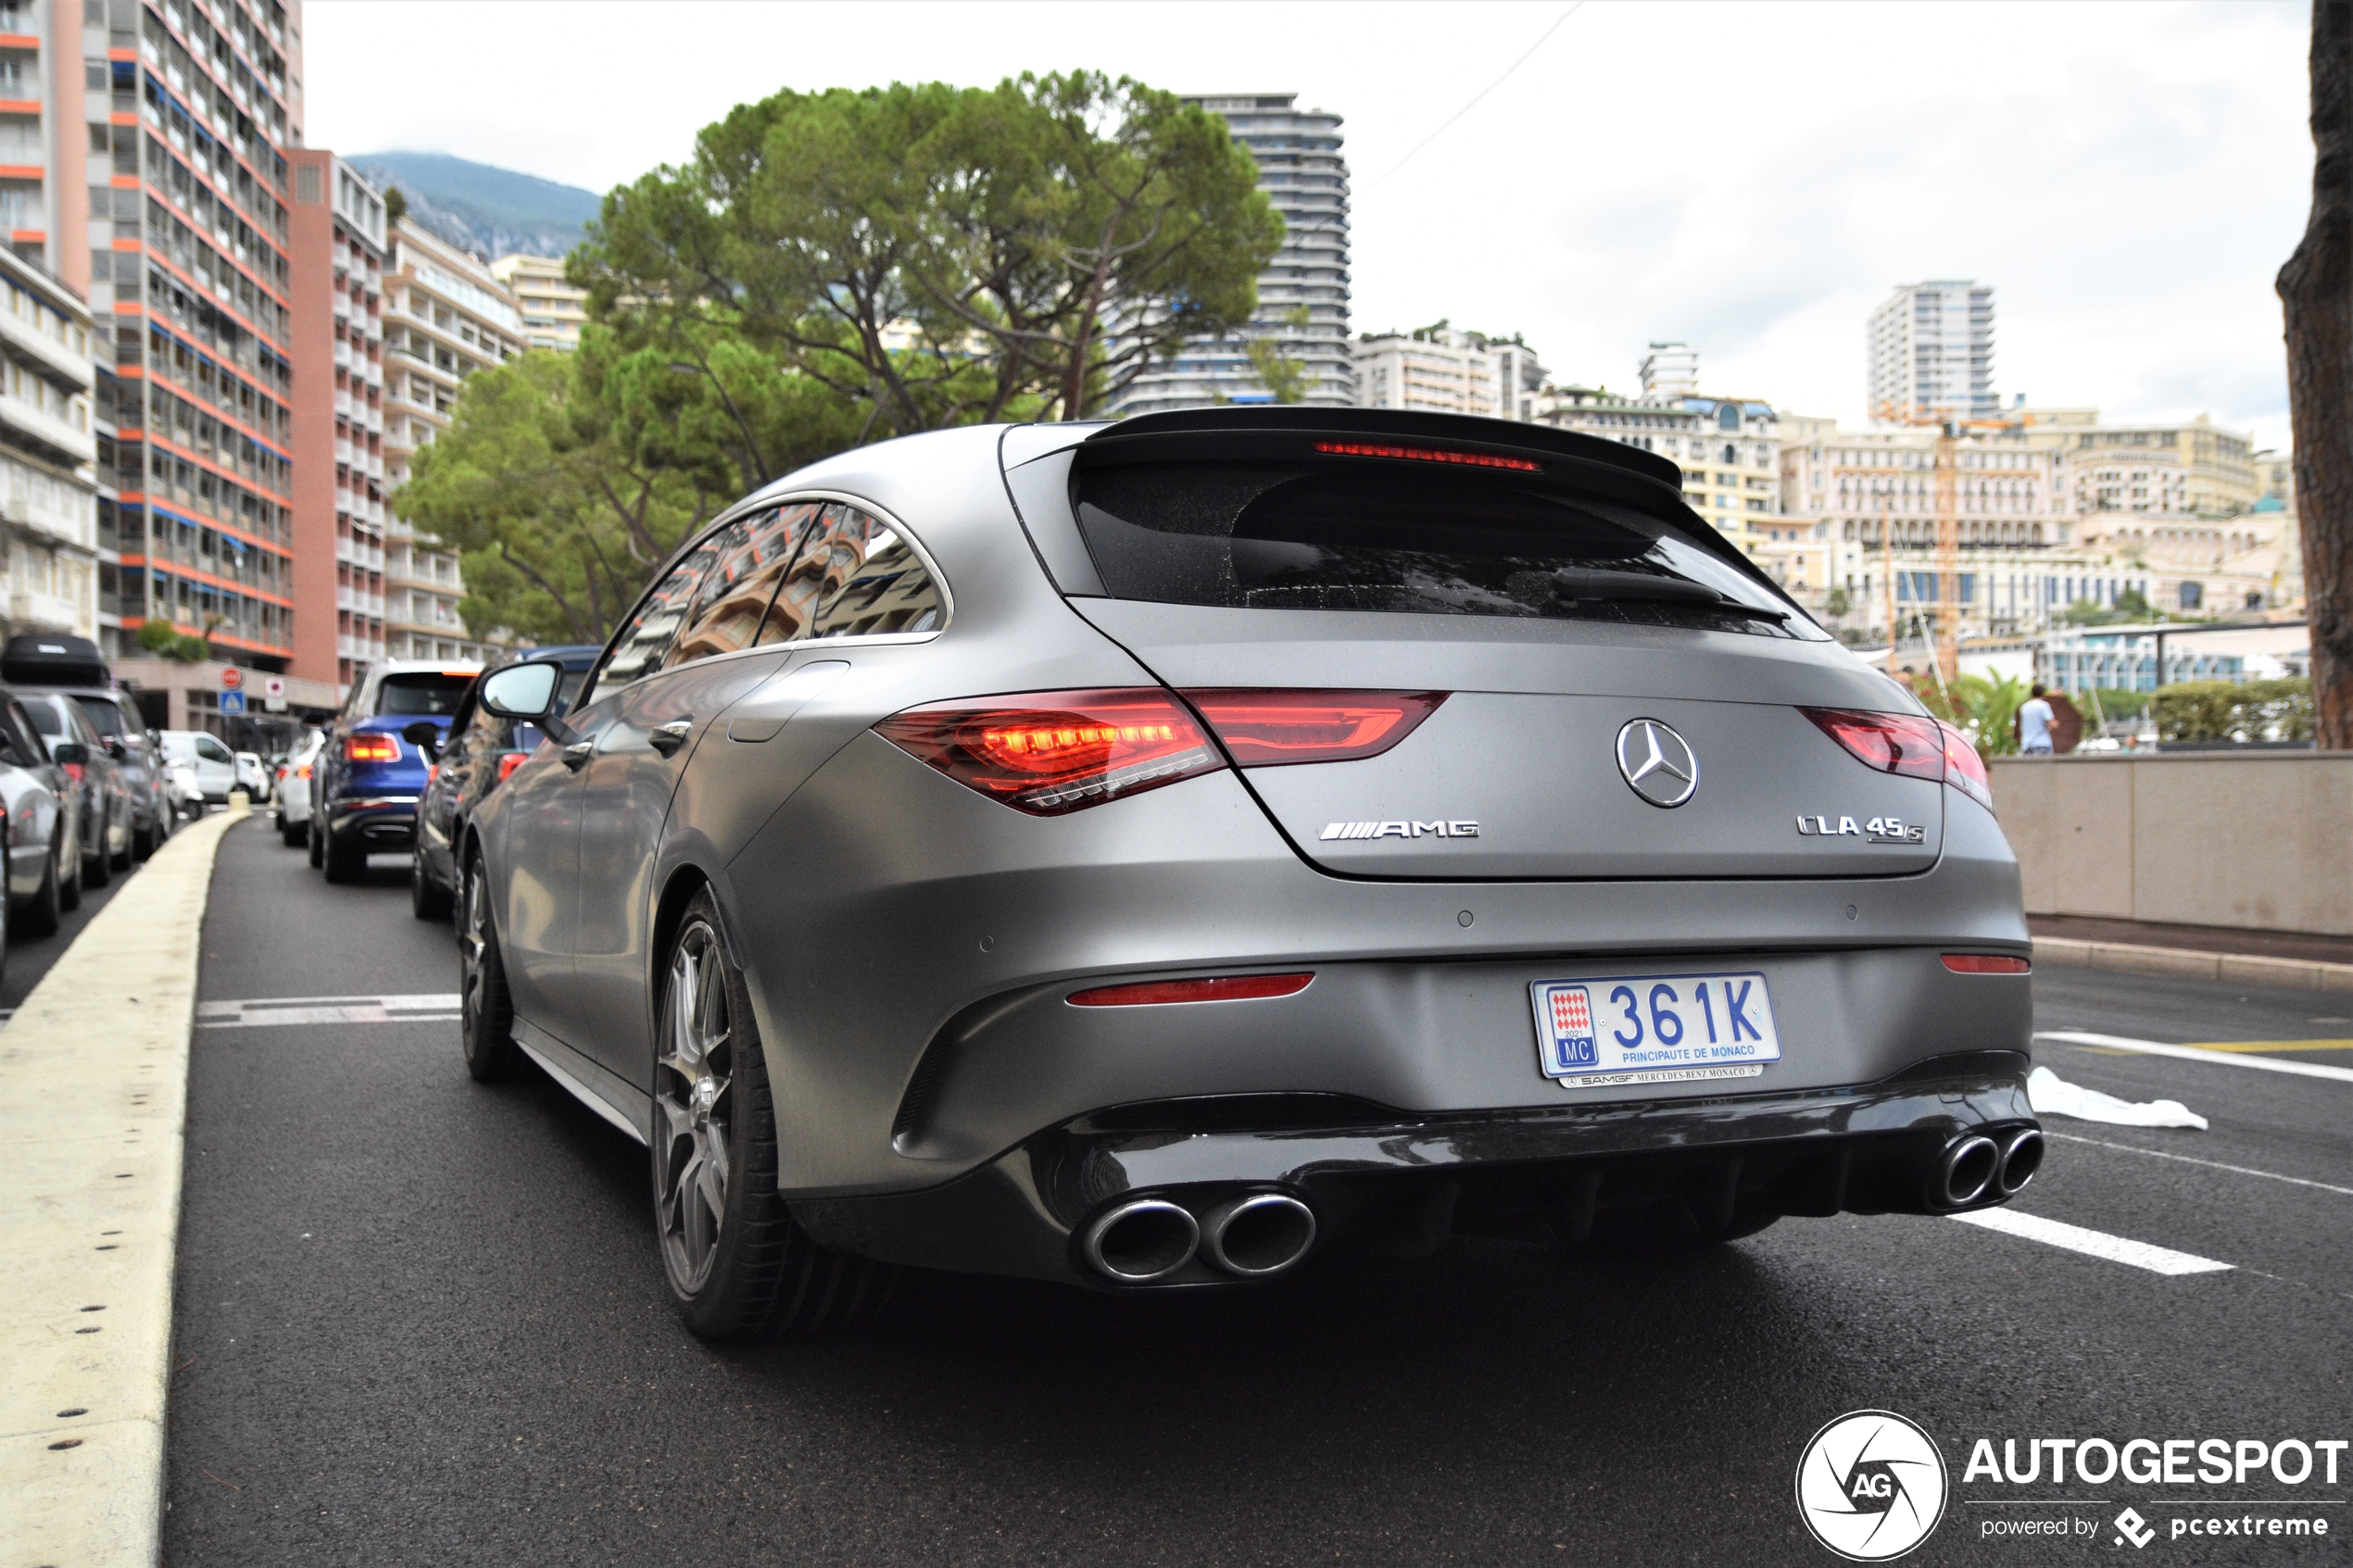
738,1264
317,849
344,861
485,1015
68,887
130,855
427,898
43,914
97,865
295,833
143,844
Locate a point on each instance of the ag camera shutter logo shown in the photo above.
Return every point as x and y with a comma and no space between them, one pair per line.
1871,1486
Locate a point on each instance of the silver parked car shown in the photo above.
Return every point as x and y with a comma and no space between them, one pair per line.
43,801
1151,855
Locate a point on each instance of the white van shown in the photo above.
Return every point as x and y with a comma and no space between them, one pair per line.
215,768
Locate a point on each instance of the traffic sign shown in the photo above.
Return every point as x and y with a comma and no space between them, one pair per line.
232,702
273,686
231,678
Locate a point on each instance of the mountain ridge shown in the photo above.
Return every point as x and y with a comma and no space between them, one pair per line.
479,207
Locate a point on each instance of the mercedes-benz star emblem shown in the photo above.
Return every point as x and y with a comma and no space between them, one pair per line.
1657,762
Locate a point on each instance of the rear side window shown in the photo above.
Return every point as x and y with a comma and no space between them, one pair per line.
749,558
655,627
1368,535
48,720
213,750
855,576
430,693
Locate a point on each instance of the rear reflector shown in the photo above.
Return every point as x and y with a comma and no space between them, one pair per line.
1159,993
1428,455
1265,729
1892,743
510,761
1985,963
1964,769
1050,752
369,747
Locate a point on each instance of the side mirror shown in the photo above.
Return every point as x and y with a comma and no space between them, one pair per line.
527,691
425,736
69,754
116,749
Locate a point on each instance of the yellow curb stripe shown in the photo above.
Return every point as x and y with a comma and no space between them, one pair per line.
94,1082
2274,1045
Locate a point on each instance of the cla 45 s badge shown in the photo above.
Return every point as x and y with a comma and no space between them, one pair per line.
1879,830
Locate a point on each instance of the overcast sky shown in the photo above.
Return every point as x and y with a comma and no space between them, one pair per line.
1752,177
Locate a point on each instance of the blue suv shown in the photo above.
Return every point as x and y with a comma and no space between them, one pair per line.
369,775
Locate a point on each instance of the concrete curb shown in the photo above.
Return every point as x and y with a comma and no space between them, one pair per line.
2244,969
94,1083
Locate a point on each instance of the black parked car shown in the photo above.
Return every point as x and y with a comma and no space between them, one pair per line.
481,750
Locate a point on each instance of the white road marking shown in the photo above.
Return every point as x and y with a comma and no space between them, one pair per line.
2191,1053
2096,1244
2192,1160
428,1007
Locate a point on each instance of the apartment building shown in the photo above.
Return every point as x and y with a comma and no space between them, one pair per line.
1441,369
180,239
1729,447
1930,352
48,454
446,317
553,310
2182,467
337,243
1303,172
1670,370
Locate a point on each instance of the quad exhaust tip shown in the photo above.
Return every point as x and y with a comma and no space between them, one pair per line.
2021,1157
1968,1169
1142,1241
1258,1234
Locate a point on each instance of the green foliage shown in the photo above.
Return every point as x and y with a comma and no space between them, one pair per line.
1284,377
1837,604
395,205
2114,703
1988,709
564,480
939,255
2210,710
2130,608
166,641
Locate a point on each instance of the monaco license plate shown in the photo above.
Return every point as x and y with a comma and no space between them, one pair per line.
1653,1029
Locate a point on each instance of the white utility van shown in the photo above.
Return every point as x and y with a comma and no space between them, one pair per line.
216,769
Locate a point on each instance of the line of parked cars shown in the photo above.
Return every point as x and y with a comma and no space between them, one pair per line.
90,791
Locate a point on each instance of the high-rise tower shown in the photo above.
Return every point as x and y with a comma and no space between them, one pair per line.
1931,352
1301,169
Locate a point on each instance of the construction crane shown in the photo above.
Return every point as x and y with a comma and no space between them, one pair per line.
1947,625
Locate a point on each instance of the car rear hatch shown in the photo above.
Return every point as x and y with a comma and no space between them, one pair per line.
380,761
1549,668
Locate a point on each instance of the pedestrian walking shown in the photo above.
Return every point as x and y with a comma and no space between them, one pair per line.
2034,724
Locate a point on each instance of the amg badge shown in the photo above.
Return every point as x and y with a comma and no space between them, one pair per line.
1399,830
1879,830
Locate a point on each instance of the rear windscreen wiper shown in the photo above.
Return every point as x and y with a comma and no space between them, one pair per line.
1573,583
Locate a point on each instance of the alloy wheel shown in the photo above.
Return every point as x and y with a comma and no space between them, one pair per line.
693,1110
473,931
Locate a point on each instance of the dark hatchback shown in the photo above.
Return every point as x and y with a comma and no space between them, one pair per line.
369,777
480,750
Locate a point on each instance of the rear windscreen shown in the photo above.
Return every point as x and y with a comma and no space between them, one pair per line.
431,693
104,715
48,720
1293,536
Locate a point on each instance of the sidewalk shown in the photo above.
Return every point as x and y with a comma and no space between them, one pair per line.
2310,960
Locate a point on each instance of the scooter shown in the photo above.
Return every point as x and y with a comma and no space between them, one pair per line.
186,795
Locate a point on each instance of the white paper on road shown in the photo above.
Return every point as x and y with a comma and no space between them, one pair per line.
2092,1244
2054,1096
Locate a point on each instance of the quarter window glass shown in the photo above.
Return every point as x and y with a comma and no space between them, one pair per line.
801,531
750,558
873,582
641,647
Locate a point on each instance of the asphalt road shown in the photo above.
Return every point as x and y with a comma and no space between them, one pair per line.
423,1321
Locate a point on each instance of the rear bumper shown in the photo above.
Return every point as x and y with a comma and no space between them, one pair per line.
383,823
1401,1185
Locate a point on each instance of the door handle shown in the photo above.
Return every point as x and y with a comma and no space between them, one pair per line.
668,738
577,754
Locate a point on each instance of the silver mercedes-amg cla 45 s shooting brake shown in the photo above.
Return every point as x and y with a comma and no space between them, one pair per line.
1152,855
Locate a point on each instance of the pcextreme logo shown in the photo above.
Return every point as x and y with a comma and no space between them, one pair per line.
1871,1486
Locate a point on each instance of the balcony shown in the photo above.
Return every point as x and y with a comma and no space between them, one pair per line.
343,352
343,403
343,450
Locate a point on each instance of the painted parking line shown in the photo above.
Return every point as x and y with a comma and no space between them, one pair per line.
2193,1159
2093,1244
2196,1053
269,1011
2258,1047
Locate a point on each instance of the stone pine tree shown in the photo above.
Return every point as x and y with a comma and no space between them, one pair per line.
2316,290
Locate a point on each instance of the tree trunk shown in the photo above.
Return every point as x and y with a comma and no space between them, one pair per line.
2316,292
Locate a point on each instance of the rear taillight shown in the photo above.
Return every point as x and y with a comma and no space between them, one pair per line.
73,771
1964,769
371,748
303,772
1892,743
1050,752
1161,993
1265,729
509,762
1986,963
